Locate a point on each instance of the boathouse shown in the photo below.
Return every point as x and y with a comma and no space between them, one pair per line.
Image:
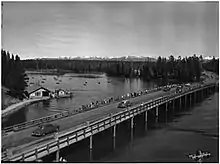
38,92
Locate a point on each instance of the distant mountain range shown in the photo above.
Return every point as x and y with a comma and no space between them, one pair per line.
124,58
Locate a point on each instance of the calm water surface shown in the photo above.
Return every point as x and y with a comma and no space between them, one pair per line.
99,86
173,141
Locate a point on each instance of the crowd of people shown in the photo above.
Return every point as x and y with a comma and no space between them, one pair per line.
107,101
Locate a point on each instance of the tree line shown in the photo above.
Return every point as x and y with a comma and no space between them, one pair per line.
186,69
212,65
13,74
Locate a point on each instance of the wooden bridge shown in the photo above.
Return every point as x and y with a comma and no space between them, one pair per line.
89,129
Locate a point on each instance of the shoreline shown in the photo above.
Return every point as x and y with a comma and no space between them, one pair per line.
14,107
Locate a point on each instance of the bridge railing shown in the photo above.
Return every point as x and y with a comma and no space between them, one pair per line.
108,121
54,117
92,126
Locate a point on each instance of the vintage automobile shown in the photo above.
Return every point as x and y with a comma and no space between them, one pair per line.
124,104
45,129
179,89
167,88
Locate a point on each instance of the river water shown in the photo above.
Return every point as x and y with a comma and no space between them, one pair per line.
171,142
98,87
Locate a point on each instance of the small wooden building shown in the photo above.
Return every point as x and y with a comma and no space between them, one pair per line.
38,92
60,92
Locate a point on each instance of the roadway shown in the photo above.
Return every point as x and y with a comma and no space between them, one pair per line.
21,140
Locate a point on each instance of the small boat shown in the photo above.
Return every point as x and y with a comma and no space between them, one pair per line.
64,94
57,83
42,81
98,82
84,84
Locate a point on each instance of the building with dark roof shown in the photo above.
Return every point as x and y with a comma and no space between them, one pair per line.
38,92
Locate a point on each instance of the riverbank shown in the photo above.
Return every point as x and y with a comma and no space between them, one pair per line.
13,108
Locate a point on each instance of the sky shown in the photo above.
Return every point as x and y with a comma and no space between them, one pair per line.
110,29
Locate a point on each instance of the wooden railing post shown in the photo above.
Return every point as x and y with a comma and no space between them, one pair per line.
48,150
68,140
23,157
36,154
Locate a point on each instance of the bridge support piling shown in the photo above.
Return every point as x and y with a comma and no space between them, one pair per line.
157,113
114,141
132,127
185,101
194,97
114,131
190,99
90,148
146,120
146,117
173,106
90,142
180,103
132,122
36,154
201,94
166,111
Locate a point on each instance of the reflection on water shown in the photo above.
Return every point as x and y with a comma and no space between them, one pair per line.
96,88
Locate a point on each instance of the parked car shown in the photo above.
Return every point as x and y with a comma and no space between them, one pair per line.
124,104
45,129
187,85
